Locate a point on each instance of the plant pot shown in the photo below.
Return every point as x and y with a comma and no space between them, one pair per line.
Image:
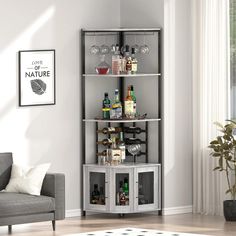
230,210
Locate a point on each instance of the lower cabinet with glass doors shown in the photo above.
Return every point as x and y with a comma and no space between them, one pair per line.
122,189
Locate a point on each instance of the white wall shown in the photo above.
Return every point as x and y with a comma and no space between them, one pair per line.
48,133
52,133
174,17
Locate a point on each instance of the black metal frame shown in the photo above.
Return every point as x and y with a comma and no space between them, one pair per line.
121,87
54,79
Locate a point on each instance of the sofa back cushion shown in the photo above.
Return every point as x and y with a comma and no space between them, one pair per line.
5,169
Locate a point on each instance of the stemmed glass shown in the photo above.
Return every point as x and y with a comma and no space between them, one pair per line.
104,49
144,49
94,49
134,149
135,46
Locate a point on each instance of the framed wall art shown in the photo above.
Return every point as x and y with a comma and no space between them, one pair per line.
37,77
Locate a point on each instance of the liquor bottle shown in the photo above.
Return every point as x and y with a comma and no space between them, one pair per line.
119,193
133,130
128,67
124,58
105,142
116,62
134,60
115,153
129,105
126,190
95,194
103,153
121,146
110,130
106,107
116,111
130,141
126,186
134,99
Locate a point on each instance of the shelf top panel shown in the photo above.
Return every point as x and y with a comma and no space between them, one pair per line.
124,166
123,75
123,30
123,121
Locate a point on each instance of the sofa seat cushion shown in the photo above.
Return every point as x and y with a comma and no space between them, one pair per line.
13,204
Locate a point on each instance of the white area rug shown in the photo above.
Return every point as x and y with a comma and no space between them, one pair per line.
133,232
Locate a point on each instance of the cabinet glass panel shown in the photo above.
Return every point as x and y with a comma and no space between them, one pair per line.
97,188
122,189
145,188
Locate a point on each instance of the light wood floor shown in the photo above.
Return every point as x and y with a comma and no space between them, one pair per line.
210,225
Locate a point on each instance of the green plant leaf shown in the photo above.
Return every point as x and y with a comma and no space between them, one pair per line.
216,168
227,137
219,138
221,162
214,142
216,154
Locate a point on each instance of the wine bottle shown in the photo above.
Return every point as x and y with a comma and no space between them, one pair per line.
105,142
134,62
115,152
116,62
130,141
116,110
128,67
103,153
126,186
126,190
95,194
134,99
133,130
129,105
106,107
110,130
121,145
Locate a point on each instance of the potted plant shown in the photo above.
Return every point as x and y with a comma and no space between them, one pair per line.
224,149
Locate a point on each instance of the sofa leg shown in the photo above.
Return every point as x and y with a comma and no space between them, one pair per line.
9,229
54,225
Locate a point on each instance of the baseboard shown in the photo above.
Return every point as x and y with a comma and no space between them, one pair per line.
166,211
77,213
177,210
73,213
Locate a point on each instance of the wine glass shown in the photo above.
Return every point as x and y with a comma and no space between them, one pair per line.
134,149
104,49
113,48
94,49
144,49
135,46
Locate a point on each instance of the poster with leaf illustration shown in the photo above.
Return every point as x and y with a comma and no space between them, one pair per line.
36,77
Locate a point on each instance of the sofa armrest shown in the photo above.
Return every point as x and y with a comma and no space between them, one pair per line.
54,186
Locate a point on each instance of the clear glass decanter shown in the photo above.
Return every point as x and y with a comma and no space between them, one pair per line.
102,68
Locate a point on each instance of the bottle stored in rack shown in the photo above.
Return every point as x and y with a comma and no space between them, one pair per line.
133,130
110,130
105,142
129,141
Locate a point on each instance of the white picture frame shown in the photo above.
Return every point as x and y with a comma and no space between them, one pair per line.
37,78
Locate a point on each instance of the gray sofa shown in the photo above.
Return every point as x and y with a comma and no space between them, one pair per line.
16,208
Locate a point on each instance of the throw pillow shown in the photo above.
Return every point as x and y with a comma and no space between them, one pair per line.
27,179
